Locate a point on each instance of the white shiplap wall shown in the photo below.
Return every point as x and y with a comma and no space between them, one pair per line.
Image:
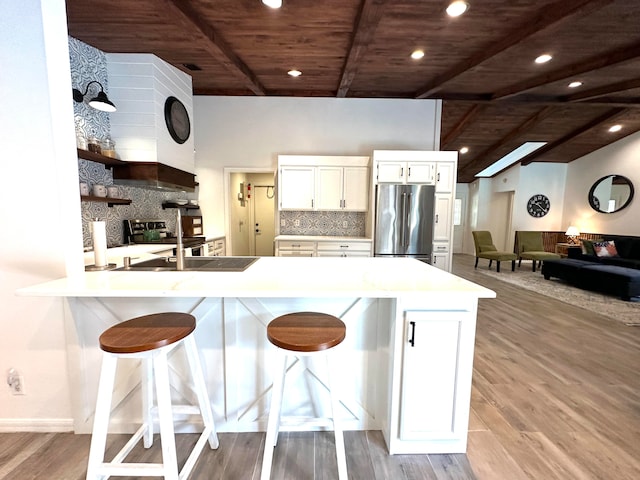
139,84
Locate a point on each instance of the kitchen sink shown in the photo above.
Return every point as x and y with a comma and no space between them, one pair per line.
194,264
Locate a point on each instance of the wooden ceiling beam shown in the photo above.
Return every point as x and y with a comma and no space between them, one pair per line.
596,62
550,15
480,160
466,119
214,43
364,28
605,117
604,90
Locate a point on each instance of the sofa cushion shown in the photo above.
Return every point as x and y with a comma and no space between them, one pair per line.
620,262
628,247
605,249
587,246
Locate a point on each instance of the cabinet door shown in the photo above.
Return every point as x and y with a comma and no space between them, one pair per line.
356,189
440,260
422,172
329,188
445,173
297,188
391,172
429,371
442,218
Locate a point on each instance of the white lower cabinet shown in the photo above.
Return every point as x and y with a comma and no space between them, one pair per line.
440,256
287,248
344,249
430,371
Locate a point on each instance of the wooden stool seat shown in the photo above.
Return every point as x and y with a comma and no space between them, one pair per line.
306,331
150,338
146,333
303,334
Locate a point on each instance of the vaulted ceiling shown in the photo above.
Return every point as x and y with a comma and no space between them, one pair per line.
480,64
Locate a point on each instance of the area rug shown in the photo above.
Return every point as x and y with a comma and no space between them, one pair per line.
607,305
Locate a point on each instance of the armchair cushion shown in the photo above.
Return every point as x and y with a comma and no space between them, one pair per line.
488,248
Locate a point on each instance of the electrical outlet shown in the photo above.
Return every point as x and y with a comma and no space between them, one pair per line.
345,224
296,223
283,222
15,382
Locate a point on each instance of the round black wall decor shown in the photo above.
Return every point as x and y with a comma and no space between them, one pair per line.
177,119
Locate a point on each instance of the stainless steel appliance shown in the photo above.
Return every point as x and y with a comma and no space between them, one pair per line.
156,232
404,221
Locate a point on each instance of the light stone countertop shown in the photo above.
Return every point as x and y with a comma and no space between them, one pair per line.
319,238
276,277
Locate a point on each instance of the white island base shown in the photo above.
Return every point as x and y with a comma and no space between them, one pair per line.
406,363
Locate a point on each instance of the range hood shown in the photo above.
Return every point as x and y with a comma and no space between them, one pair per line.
153,176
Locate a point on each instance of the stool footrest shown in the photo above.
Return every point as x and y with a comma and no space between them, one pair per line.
193,457
124,451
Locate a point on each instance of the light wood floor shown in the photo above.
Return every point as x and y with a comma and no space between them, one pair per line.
556,395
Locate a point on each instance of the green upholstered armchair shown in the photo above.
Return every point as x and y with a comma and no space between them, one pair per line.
530,247
486,249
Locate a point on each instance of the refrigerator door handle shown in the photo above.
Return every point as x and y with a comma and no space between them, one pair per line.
403,219
407,218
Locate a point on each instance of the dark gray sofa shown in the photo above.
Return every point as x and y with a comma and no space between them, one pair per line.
618,275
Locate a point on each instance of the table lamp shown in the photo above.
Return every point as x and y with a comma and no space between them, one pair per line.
572,234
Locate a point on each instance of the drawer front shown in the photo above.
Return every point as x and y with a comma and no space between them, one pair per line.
440,247
296,245
345,246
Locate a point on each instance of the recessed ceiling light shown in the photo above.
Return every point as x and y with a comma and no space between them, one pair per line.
457,8
273,3
575,84
294,73
615,128
417,54
543,58
464,150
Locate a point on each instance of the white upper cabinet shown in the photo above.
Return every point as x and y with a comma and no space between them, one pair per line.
445,175
296,188
339,183
406,172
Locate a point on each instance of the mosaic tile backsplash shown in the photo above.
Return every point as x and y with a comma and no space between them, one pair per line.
339,224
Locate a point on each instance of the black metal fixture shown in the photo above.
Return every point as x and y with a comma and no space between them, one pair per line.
99,102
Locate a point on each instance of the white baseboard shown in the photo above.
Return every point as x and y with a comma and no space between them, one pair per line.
8,425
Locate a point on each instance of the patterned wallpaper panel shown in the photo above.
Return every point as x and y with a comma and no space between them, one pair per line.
339,224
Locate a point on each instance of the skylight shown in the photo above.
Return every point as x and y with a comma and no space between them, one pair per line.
511,158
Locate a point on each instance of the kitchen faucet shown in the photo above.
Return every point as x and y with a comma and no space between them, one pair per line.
179,245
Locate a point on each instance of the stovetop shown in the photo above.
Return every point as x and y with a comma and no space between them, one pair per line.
186,241
154,232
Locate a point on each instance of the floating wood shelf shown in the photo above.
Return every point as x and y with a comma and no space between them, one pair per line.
99,158
187,206
108,200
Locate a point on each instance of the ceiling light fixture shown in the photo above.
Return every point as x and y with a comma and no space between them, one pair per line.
417,54
272,3
294,73
615,128
543,58
99,102
464,150
575,84
457,8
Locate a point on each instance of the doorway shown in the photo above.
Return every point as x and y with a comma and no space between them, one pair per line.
250,212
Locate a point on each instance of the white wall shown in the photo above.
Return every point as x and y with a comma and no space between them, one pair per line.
253,131
620,158
40,211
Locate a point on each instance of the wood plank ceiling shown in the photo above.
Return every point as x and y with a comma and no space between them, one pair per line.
480,64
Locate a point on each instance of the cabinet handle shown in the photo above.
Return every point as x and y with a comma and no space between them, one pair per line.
412,339
436,218
312,203
401,172
438,176
408,171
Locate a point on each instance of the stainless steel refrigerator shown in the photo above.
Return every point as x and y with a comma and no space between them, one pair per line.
404,221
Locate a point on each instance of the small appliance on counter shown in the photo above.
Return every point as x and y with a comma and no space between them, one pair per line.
156,232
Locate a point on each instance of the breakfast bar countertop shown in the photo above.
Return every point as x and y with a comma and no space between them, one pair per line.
275,277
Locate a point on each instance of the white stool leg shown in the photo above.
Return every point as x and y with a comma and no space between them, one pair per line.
147,400
271,437
201,389
167,436
101,415
337,429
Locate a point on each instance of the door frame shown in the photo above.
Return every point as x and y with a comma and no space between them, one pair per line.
228,192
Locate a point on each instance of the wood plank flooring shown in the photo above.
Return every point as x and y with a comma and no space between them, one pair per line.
556,395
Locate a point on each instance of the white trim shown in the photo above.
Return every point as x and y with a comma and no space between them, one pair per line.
11,425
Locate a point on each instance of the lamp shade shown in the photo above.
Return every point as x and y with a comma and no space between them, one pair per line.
572,231
102,102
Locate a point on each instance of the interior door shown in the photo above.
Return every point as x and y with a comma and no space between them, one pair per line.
263,214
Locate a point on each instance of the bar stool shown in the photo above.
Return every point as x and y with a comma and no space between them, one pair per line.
149,338
305,333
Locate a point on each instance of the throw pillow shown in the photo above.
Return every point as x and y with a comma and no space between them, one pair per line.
587,247
488,248
605,249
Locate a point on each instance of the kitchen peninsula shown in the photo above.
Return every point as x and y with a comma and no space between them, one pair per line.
407,358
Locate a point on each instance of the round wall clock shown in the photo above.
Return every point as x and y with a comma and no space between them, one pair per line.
538,205
177,119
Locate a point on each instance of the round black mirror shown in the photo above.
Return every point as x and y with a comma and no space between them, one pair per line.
611,194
